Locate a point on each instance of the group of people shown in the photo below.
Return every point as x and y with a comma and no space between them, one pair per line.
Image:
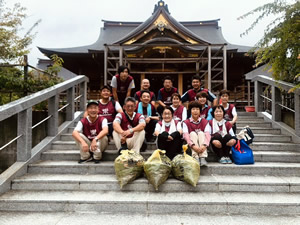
169,120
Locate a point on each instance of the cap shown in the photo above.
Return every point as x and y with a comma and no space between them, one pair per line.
92,102
105,87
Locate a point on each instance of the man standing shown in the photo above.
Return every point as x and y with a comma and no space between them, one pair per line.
90,134
145,85
129,127
196,132
190,95
122,83
164,96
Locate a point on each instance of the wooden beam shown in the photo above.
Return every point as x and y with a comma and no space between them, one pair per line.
180,83
162,72
209,68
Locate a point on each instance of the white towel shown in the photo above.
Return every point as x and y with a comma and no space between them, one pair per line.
216,127
172,127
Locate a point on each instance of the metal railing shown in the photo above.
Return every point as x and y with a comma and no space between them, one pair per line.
23,108
269,91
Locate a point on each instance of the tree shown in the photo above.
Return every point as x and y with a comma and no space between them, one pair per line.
12,45
12,49
279,47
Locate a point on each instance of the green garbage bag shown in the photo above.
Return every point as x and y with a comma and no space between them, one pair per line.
128,166
186,168
157,168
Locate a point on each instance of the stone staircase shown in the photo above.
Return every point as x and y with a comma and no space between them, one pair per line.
57,183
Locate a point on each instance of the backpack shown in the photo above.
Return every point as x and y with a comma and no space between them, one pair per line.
246,134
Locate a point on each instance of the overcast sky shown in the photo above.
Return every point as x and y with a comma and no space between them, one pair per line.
72,23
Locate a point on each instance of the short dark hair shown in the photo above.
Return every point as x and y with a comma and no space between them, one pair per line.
105,87
217,107
145,91
196,77
177,95
129,99
167,78
224,91
194,104
122,68
201,94
168,108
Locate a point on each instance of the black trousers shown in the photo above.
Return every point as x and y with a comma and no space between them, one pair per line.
149,129
173,147
224,150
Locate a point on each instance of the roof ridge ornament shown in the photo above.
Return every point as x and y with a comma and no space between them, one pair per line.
161,4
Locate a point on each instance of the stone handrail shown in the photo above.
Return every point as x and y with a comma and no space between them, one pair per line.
277,86
23,108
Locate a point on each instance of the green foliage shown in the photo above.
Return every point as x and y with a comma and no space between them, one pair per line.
279,47
12,45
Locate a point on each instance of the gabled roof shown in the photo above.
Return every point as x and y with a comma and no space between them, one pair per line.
205,32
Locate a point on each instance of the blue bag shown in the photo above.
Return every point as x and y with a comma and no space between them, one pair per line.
242,153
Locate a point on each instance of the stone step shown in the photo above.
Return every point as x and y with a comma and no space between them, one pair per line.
111,155
272,138
261,130
108,182
61,218
254,124
150,202
274,146
250,114
106,167
260,146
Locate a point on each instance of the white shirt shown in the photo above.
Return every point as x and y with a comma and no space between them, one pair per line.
158,126
114,83
186,130
79,126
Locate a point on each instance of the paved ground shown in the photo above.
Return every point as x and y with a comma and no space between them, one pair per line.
78,218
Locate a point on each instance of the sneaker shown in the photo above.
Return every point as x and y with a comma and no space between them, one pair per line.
86,160
202,162
223,160
228,160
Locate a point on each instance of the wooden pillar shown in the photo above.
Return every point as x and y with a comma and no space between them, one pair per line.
249,93
209,69
142,78
120,55
197,68
180,83
225,66
105,65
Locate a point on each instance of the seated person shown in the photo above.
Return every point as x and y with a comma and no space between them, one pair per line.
168,132
202,99
164,94
230,110
148,110
108,108
222,135
122,84
90,134
129,127
179,110
145,85
196,132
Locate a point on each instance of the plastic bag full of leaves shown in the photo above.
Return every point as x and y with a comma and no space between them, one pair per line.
128,166
157,168
186,168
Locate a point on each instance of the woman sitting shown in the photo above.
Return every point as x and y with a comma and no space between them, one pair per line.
222,135
168,132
